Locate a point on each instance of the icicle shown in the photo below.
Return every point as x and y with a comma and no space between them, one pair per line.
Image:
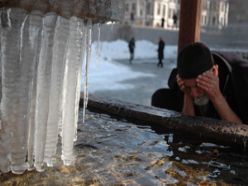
43,89
88,56
13,113
98,39
73,68
30,52
56,87
4,129
78,89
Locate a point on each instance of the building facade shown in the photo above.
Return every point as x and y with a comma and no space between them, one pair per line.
165,13
238,14
215,14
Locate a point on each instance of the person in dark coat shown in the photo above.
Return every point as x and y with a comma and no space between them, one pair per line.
174,20
131,46
161,45
162,22
207,84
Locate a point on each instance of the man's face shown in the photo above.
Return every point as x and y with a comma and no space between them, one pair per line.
192,89
199,96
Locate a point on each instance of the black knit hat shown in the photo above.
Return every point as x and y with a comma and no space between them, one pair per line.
193,60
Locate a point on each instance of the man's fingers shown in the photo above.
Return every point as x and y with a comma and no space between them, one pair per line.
205,86
204,77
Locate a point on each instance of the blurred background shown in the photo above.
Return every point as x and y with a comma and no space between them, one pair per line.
223,27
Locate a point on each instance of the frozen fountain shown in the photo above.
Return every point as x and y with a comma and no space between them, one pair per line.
44,44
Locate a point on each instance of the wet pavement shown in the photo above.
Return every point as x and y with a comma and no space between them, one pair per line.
143,87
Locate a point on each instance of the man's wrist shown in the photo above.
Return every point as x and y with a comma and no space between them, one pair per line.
188,106
188,100
218,99
187,96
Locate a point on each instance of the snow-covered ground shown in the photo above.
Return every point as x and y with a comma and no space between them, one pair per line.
106,74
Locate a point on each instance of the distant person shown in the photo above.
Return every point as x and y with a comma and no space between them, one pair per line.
131,46
162,22
175,20
161,45
207,84
132,17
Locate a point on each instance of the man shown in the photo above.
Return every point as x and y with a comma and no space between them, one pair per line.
162,23
131,46
199,80
174,17
161,45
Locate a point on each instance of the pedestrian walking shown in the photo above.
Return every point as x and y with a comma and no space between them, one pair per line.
161,46
131,46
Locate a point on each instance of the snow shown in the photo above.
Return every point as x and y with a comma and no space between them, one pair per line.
105,71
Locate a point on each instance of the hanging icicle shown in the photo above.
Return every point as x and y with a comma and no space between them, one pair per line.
88,56
54,123
73,66
14,88
43,89
98,47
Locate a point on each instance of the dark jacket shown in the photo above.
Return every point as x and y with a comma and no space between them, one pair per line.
161,46
236,87
131,45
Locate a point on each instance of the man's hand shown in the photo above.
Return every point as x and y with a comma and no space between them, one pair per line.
188,106
210,84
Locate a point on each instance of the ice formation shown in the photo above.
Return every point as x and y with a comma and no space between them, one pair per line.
44,50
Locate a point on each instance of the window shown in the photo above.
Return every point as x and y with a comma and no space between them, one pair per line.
148,8
134,7
127,7
213,6
164,10
159,9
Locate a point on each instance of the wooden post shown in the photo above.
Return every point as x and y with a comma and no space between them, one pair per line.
190,22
